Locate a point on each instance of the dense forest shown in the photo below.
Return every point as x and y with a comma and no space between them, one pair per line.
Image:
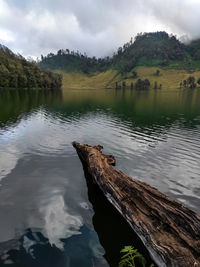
70,61
17,72
148,49
157,49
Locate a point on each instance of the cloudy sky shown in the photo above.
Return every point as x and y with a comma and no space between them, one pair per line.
97,27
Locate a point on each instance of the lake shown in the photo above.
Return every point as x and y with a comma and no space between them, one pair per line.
49,214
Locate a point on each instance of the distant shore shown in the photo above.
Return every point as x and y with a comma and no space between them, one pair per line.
168,78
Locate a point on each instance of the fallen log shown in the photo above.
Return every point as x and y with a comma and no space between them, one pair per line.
169,230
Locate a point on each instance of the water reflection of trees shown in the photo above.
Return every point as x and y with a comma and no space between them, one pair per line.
34,250
142,109
17,103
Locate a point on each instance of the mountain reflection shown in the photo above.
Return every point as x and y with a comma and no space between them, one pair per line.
33,249
153,135
145,108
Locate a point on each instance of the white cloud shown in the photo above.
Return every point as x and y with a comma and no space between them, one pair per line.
58,222
6,36
96,27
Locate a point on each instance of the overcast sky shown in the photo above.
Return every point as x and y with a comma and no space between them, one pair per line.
97,27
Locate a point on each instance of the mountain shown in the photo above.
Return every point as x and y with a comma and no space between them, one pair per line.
70,61
194,49
17,72
148,49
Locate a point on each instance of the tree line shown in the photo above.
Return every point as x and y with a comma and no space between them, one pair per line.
139,85
70,61
17,72
190,82
147,49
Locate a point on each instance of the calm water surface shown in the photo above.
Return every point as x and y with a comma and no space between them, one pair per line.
49,215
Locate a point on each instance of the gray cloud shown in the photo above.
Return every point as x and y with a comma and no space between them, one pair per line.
96,27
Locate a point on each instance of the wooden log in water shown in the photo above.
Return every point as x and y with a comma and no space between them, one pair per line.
169,230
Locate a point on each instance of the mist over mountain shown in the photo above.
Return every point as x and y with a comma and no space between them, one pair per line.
98,27
148,49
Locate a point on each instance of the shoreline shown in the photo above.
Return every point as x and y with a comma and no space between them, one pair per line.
168,78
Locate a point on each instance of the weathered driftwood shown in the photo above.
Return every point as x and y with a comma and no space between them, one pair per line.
169,230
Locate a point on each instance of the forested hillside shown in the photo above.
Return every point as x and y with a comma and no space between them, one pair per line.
148,49
70,61
17,72
194,49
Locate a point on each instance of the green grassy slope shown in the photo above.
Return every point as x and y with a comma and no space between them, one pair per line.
156,49
169,78
149,52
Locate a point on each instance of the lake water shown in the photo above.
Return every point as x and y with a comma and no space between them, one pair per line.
49,215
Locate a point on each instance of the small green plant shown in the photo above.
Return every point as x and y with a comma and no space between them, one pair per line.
163,225
128,259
